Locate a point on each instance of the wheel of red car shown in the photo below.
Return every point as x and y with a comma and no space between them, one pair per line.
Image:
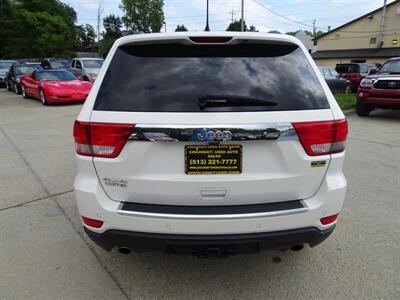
362,109
43,97
23,91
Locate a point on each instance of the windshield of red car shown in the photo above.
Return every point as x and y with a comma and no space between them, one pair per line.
391,67
55,75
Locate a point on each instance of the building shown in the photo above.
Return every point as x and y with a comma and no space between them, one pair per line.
361,40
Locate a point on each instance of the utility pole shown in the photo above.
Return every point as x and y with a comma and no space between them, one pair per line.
232,12
242,18
382,27
314,28
99,13
207,27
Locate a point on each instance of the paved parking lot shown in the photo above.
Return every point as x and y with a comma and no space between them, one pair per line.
44,253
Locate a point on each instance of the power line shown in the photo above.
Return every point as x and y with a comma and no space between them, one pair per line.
315,27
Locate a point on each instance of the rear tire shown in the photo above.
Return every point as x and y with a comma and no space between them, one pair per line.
8,87
23,92
43,97
16,89
362,109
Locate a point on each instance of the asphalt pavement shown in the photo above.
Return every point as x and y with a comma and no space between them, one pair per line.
44,253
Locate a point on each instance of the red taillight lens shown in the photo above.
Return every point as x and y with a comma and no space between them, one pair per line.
329,219
321,138
100,139
92,222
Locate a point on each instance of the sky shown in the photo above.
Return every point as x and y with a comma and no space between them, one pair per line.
264,14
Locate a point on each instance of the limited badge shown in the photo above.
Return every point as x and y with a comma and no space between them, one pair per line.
116,182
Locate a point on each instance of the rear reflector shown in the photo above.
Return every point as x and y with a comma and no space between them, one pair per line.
92,222
100,139
329,219
210,39
321,138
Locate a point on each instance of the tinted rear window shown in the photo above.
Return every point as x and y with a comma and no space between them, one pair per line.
348,68
172,78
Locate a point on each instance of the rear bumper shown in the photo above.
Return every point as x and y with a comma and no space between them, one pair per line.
205,244
281,227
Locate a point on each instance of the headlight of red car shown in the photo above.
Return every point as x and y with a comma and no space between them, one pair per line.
367,83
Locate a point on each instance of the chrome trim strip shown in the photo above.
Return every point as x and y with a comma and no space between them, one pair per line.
212,132
211,217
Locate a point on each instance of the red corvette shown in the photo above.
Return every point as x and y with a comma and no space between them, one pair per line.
54,86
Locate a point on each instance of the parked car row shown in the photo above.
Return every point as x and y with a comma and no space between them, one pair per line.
54,80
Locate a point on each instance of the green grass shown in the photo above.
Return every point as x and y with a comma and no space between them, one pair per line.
346,101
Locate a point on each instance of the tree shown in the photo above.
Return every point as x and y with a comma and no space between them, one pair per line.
143,15
181,28
40,28
253,28
237,26
85,35
6,24
112,25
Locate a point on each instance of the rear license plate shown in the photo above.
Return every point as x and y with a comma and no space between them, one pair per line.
213,159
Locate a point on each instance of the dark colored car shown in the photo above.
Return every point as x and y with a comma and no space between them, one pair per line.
4,67
56,63
12,79
335,83
354,72
380,89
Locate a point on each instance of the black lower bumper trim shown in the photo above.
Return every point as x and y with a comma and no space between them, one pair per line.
212,209
203,244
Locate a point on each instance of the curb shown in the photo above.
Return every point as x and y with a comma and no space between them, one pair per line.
349,111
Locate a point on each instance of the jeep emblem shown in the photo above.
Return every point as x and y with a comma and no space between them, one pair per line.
211,135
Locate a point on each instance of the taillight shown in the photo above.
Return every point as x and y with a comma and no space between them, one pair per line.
324,137
92,222
100,139
328,220
210,39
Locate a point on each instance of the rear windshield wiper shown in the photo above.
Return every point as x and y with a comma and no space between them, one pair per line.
232,100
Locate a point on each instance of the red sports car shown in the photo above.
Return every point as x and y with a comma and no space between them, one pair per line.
54,86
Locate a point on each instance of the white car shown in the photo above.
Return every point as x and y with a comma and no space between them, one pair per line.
206,143
86,68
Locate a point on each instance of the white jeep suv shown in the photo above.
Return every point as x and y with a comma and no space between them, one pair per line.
209,143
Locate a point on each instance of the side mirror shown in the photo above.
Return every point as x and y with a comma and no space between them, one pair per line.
373,71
